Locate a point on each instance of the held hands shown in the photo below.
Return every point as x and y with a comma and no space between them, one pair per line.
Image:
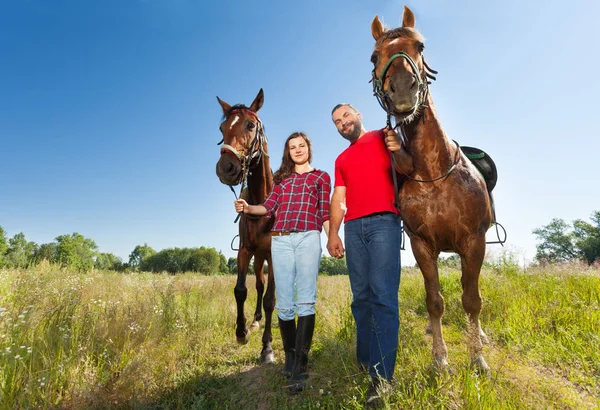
240,205
392,140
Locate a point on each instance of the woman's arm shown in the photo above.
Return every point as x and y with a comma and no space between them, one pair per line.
242,206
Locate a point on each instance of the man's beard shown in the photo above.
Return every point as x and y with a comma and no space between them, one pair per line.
353,132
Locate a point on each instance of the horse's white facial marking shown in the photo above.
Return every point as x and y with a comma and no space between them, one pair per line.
234,121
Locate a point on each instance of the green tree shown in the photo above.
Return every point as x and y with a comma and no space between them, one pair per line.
108,261
223,268
557,242
587,237
232,265
560,242
20,252
3,247
333,266
76,252
205,260
139,256
47,251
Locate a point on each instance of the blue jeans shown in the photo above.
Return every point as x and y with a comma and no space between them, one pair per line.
373,258
296,260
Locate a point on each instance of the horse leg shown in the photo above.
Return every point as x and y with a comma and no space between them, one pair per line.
241,293
427,261
259,273
471,262
267,355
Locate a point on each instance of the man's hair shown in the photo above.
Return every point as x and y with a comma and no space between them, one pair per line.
343,105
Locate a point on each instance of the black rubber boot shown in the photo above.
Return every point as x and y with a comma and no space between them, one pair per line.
304,335
287,329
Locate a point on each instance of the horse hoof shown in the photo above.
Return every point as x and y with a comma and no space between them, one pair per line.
254,326
481,367
268,358
484,338
243,339
440,364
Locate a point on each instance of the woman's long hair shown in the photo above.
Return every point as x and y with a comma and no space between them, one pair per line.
287,164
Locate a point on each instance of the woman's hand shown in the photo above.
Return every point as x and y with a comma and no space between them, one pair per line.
240,205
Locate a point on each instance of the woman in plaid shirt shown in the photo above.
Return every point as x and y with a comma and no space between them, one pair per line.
300,202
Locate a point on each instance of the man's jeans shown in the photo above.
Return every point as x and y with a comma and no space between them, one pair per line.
296,260
373,259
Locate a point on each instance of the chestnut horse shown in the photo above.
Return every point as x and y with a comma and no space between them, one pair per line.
444,203
244,159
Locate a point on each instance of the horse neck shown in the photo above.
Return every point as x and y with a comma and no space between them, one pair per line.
432,151
260,181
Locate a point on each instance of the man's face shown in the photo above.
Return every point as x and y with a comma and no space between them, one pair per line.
348,122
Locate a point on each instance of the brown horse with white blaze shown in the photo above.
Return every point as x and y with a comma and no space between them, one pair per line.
444,202
244,159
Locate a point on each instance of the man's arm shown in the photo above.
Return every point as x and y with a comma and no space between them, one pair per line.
336,216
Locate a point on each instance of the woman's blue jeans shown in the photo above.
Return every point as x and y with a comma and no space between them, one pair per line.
373,258
296,260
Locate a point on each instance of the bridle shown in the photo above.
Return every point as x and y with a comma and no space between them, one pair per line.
423,91
253,153
384,99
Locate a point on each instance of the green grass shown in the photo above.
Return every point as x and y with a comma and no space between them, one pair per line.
144,341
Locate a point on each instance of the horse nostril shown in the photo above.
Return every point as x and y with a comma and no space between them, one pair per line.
229,167
392,89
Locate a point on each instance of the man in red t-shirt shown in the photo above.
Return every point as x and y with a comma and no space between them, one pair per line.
363,197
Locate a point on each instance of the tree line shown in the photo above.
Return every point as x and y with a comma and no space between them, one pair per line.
82,254
560,241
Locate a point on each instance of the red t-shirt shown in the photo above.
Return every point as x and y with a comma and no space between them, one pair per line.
365,169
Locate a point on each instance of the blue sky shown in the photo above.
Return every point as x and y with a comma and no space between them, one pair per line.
109,121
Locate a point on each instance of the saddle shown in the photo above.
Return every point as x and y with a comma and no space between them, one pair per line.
484,164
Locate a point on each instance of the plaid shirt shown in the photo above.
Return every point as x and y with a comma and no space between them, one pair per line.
300,202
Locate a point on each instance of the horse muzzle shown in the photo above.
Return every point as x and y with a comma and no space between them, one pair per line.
229,170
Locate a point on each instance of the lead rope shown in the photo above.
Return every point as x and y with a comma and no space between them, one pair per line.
395,179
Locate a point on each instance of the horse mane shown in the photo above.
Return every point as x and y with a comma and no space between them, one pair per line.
407,32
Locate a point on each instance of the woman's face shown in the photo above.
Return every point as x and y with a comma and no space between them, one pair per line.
298,148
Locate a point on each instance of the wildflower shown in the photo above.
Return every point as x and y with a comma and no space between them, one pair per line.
18,356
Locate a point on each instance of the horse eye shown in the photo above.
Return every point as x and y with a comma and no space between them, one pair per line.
421,47
374,59
251,126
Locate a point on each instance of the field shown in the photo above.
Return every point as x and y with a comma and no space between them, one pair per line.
147,341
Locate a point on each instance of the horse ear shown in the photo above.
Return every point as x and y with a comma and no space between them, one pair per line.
224,105
258,101
408,18
377,28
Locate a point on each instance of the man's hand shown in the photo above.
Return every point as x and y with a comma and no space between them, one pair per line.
392,140
403,162
335,246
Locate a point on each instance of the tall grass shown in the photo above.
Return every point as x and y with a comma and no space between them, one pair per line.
106,340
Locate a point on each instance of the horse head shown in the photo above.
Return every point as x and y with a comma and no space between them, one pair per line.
400,72
243,140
